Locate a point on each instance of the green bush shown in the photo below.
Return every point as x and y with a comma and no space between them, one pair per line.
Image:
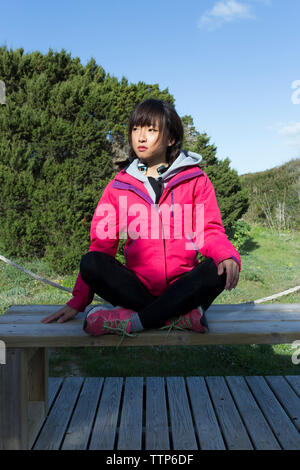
239,234
59,129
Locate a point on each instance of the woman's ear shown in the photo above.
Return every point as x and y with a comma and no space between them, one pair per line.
171,142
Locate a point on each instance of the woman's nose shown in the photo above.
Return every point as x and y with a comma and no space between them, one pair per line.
142,136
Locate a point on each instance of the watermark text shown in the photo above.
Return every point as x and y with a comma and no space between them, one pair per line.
295,358
2,352
176,221
2,93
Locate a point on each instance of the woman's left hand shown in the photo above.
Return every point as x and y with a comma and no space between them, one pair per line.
232,272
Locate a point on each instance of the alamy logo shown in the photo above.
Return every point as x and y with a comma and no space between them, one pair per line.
2,93
295,358
137,222
2,352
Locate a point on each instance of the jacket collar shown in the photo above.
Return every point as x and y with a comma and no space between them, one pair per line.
185,173
127,182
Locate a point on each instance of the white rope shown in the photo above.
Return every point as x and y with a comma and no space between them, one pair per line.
285,292
39,278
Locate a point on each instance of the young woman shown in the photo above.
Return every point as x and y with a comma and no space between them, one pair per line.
165,207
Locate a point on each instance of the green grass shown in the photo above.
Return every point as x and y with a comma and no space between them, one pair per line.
270,264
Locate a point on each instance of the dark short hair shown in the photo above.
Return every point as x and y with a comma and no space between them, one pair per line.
152,111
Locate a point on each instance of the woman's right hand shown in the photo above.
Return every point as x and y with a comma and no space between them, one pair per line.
65,313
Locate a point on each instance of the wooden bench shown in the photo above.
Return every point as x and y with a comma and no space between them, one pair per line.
252,412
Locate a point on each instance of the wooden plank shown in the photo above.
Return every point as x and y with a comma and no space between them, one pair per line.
248,306
131,424
255,422
54,385
229,324
207,427
199,399
56,423
71,334
183,433
37,390
233,429
157,430
38,376
28,316
36,418
287,397
105,427
282,427
44,309
79,430
48,309
14,401
294,381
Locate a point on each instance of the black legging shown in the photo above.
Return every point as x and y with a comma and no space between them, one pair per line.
117,284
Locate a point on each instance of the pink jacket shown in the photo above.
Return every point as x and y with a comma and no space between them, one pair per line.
158,248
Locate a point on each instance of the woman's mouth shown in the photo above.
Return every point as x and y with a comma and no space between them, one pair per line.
141,149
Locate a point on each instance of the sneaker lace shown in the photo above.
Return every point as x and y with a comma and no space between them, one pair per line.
175,324
119,327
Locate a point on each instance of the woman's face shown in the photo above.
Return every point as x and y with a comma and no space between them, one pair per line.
149,144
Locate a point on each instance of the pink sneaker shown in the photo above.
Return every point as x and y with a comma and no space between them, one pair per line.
101,321
193,320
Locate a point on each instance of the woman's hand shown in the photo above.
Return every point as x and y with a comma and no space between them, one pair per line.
232,272
65,313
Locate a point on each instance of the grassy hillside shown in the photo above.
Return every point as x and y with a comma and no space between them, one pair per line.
274,196
270,264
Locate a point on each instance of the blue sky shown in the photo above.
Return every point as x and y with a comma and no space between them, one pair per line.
230,64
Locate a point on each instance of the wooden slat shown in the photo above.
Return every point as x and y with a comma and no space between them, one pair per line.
21,326
29,318
233,429
130,431
208,430
294,381
284,430
36,417
78,432
70,334
54,384
48,309
183,433
38,376
54,428
105,427
255,422
287,397
216,313
14,401
157,431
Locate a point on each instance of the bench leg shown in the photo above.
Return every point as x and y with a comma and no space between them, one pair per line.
37,391
23,396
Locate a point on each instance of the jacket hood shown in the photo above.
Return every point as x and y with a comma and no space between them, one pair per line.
186,158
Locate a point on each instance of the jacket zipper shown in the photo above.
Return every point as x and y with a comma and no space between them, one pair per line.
163,233
128,248
195,249
120,185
